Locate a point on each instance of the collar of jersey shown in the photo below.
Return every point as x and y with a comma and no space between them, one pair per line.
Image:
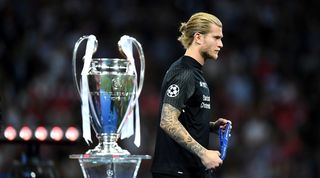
191,61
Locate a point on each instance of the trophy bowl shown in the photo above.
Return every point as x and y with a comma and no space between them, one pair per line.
111,89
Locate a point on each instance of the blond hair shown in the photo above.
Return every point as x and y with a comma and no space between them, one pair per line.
198,22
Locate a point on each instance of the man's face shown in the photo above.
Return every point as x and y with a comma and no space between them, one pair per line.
212,43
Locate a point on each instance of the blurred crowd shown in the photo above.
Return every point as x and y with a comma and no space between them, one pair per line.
266,80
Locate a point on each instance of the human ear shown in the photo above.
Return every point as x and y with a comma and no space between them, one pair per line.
198,38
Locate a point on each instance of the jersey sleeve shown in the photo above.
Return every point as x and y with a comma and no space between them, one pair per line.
179,88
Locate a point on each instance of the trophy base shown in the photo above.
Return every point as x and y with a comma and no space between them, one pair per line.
110,149
107,146
110,166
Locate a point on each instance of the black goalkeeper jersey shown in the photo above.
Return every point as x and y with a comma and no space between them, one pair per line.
185,88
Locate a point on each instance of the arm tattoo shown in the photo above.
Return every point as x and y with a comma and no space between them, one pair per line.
172,126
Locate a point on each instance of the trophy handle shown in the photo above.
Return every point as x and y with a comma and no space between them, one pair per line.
74,59
134,100
142,69
74,66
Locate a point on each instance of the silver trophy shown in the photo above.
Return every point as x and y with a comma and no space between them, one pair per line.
109,89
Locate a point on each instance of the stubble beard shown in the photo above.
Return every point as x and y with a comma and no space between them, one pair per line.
205,54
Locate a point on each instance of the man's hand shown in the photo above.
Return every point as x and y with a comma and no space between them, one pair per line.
219,123
211,159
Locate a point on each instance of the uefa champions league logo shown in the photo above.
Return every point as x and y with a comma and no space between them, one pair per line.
109,173
173,90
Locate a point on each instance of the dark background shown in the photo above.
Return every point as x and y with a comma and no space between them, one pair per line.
266,80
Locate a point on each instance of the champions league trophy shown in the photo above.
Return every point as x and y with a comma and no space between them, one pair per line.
109,91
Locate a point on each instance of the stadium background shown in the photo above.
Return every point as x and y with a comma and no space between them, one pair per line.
266,79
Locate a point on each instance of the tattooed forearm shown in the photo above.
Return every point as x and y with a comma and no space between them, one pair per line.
172,126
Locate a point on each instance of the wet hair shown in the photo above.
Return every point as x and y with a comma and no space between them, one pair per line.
198,22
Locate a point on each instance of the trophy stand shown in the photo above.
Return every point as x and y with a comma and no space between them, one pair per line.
109,160
108,145
110,166
109,93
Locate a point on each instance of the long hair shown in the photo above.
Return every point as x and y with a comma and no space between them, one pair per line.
198,22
